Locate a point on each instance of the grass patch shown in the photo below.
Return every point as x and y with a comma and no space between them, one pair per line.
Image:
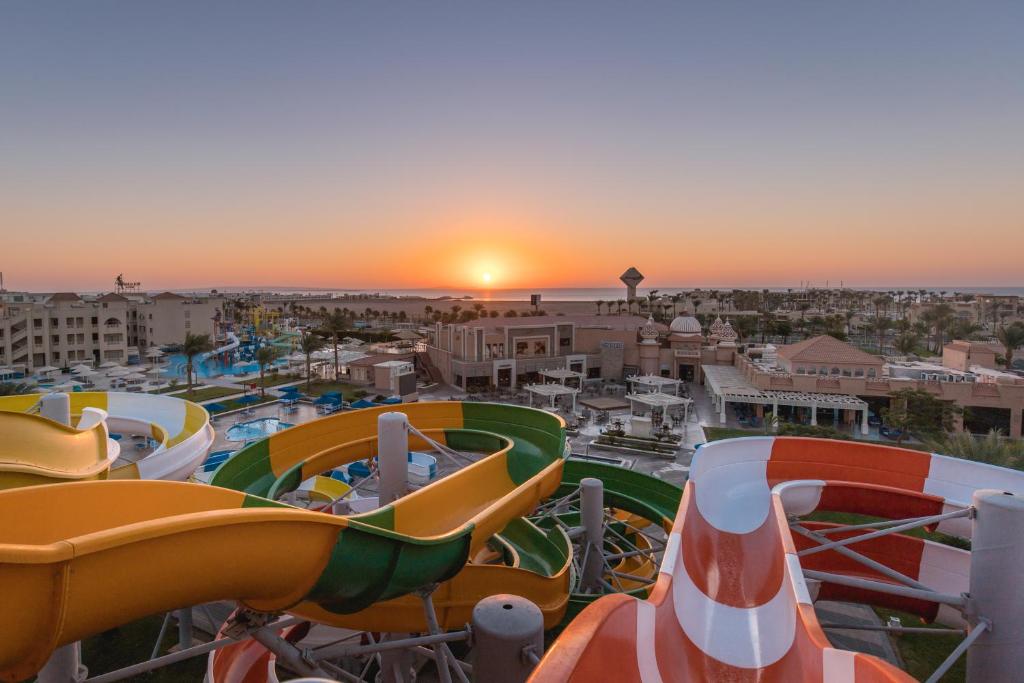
719,433
271,380
131,643
233,404
168,389
350,392
923,653
207,393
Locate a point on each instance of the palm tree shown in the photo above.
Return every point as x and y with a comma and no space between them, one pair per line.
310,344
334,326
993,448
265,355
599,303
1012,338
194,345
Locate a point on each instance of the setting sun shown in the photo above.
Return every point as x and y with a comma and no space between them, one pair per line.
486,277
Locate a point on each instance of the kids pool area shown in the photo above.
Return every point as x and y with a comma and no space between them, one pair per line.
256,429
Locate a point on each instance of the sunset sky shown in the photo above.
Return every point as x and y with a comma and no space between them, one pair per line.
423,144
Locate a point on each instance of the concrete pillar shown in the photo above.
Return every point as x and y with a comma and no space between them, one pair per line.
1016,423
508,633
592,517
393,456
56,407
64,666
814,414
721,416
775,414
396,665
864,423
997,553
184,627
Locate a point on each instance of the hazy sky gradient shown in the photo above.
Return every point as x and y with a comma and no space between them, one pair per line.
552,143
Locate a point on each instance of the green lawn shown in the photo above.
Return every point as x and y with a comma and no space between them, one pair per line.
168,389
922,653
271,380
719,433
207,393
233,404
319,388
132,643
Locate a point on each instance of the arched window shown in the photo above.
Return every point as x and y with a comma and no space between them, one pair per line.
859,372
799,371
847,373
112,321
871,372
835,372
823,370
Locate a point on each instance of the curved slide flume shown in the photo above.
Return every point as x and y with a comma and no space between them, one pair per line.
178,544
731,601
44,451
233,343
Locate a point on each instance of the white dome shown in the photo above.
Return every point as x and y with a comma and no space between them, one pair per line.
686,324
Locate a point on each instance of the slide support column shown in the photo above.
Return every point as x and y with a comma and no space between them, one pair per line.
997,553
393,456
592,516
508,639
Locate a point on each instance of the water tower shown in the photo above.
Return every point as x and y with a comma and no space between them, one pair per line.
631,278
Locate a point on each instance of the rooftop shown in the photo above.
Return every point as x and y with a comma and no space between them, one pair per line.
609,322
826,349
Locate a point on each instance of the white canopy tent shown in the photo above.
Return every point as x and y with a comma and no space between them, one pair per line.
654,383
658,401
552,391
561,375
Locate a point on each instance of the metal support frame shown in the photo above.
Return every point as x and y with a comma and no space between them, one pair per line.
904,526
897,629
182,655
976,632
958,601
861,559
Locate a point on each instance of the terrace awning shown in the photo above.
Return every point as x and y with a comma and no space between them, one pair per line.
726,384
655,382
552,391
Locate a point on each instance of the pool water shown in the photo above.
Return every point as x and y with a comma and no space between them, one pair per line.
212,367
256,429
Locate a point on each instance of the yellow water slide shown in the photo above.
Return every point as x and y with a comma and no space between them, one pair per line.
36,450
86,556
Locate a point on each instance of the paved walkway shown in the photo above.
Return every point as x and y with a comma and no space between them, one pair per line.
877,643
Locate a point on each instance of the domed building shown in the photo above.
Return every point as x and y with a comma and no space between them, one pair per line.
685,339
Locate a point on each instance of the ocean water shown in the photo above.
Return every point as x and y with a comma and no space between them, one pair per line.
606,293
574,293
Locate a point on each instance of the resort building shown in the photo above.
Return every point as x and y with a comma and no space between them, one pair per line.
824,378
62,329
507,352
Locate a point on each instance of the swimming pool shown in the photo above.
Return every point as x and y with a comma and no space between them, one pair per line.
256,429
214,367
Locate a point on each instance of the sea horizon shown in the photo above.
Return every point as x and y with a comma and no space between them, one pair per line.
573,293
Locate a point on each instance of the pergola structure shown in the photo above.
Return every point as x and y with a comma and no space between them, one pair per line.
552,391
562,374
654,383
728,385
656,400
